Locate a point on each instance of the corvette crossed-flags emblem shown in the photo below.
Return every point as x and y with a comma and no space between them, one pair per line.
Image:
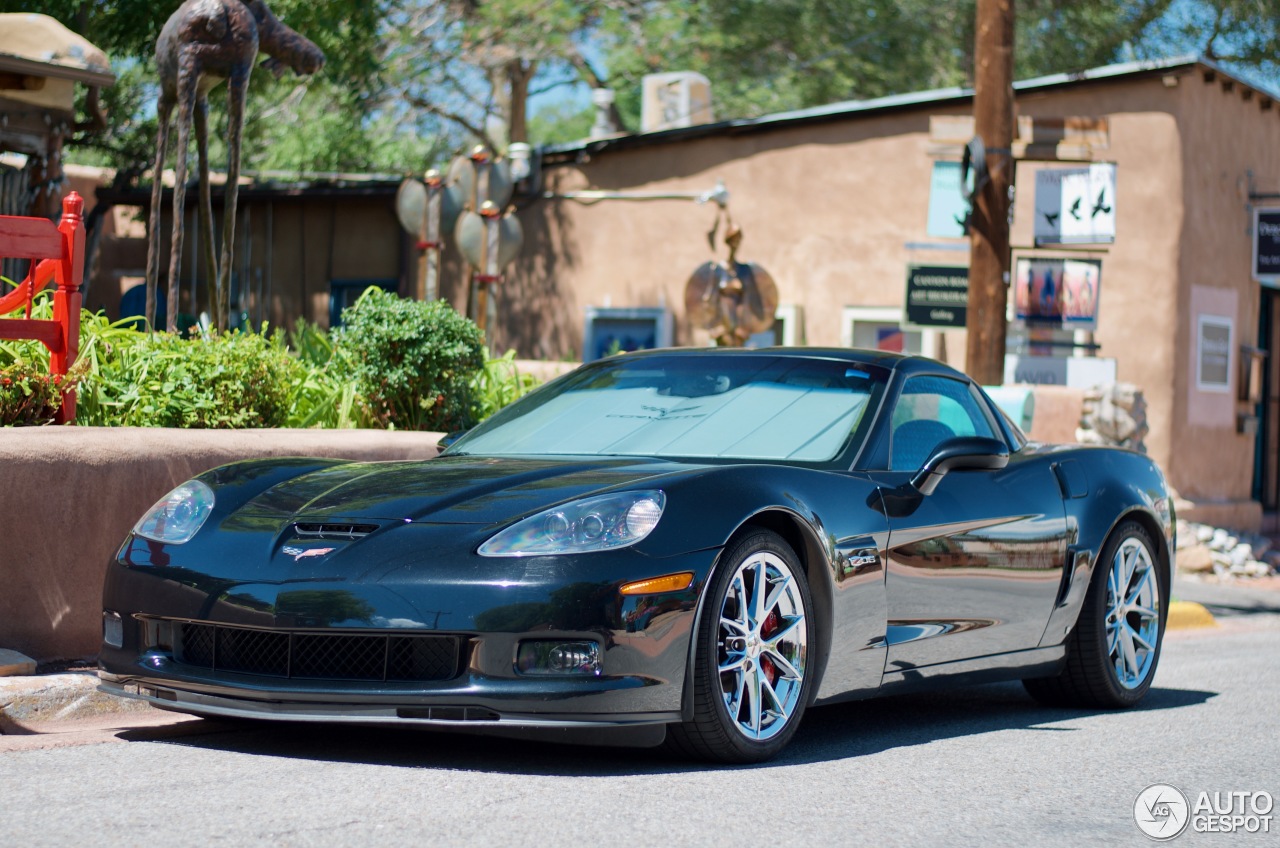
303,553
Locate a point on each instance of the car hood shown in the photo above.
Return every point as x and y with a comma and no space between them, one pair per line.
451,490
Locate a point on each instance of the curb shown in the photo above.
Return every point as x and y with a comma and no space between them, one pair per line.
57,697
1188,615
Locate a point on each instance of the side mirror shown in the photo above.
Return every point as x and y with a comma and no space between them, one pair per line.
962,453
449,438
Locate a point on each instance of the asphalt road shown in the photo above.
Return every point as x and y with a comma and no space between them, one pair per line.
978,766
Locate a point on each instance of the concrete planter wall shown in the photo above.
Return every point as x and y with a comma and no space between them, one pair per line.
68,496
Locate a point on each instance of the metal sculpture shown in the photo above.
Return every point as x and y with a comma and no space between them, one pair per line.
733,300
428,209
202,44
488,234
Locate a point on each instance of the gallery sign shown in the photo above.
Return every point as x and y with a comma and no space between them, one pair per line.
1266,245
1076,205
937,296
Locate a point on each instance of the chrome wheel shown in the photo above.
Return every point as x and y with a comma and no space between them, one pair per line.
1133,612
1112,653
761,646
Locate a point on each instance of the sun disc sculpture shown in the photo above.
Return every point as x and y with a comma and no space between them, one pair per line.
734,300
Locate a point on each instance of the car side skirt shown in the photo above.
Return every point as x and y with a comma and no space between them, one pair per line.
1015,665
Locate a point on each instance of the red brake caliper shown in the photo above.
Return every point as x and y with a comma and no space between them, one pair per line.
767,631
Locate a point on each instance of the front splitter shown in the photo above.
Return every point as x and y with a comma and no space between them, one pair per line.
639,730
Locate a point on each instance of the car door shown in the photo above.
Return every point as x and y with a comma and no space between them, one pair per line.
974,568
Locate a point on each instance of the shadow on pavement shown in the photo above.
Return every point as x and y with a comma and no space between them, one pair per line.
828,733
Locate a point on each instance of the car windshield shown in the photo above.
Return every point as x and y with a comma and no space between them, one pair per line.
702,406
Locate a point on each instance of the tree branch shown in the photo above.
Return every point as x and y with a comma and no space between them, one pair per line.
454,117
595,80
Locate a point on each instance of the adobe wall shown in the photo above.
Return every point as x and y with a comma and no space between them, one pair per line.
829,210
1216,279
69,495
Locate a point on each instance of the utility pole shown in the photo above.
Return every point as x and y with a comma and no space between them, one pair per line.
989,223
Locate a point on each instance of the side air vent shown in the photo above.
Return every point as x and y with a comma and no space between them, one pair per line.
334,530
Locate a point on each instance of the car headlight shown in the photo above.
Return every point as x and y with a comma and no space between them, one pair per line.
178,515
601,523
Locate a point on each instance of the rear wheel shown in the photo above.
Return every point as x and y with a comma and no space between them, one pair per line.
1113,651
751,681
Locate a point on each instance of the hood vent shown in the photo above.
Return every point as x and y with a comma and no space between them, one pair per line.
333,530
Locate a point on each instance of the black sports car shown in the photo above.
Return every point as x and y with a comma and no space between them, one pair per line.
689,545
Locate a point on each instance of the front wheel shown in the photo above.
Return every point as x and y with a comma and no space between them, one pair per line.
1113,651
751,680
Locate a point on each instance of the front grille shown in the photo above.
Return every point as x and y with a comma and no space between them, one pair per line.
330,530
325,656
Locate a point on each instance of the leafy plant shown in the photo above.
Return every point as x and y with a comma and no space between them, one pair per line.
413,361
28,393
397,363
499,383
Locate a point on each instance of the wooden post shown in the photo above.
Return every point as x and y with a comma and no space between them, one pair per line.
989,234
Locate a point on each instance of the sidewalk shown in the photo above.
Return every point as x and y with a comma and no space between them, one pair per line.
46,698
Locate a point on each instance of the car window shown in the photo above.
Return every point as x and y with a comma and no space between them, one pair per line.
930,410
703,406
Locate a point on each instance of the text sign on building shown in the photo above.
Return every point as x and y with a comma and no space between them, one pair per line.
1076,205
937,296
1266,245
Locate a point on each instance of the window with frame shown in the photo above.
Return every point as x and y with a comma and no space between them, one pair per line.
929,411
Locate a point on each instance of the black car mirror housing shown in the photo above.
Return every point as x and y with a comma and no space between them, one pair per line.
961,453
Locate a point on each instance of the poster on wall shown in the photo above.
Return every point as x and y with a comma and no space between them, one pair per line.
1058,293
1213,353
948,210
1076,205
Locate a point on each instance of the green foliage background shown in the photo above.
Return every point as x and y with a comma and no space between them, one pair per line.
408,81
397,364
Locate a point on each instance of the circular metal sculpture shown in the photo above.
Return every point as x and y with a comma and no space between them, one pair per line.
734,300
412,199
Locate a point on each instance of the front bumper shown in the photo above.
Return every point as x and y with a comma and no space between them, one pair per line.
644,642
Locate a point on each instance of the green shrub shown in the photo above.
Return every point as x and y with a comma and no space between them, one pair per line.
218,381
397,363
412,361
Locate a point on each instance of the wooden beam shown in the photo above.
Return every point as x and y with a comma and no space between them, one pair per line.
989,257
20,82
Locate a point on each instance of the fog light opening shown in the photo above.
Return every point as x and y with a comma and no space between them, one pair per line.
553,657
112,629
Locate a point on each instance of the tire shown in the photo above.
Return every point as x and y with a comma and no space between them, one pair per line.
1113,651
752,676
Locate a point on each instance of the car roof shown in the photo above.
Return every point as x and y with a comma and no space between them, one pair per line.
905,364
